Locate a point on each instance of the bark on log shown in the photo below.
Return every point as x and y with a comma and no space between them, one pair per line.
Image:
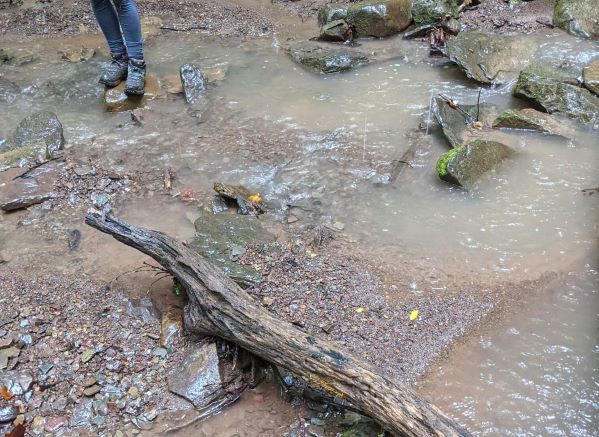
221,308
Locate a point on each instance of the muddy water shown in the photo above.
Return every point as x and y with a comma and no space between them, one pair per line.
535,374
324,147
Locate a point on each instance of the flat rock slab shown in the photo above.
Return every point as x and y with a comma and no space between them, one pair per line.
553,94
487,58
577,17
464,165
321,59
37,187
529,119
378,18
590,76
197,378
115,99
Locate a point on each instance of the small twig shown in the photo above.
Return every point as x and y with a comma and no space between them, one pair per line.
185,29
455,105
478,104
591,190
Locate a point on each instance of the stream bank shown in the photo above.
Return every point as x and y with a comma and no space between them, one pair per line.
321,151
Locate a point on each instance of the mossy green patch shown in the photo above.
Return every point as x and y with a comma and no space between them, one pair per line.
441,166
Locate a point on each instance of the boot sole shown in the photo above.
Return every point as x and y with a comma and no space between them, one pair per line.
134,92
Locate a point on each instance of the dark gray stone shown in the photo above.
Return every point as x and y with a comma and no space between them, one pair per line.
577,17
337,30
40,127
8,414
326,59
194,83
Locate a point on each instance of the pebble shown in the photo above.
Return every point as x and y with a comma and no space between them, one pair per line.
133,392
91,391
87,355
339,226
160,352
88,382
8,414
53,424
267,301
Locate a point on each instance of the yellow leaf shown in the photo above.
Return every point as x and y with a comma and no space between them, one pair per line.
414,315
360,310
6,394
255,198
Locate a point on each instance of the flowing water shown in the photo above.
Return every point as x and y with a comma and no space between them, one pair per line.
325,146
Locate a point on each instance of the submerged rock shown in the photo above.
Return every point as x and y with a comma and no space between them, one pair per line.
8,91
590,76
327,60
429,11
487,57
197,378
194,83
219,237
464,165
78,55
457,123
5,55
115,99
577,17
378,18
337,30
529,119
554,94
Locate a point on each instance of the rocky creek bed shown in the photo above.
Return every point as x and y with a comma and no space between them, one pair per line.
91,338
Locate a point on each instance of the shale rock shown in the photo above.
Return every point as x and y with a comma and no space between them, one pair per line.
115,99
590,76
529,119
337,30
486,58
577,17
378,18
457,125
325,59
194,83
464,165
553,94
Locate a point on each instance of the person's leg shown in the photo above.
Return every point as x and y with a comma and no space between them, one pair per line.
109,23
115,72
131,25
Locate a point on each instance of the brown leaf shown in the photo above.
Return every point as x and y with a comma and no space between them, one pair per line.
18,431
6,394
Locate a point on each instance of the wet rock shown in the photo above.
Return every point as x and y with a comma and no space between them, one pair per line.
590,76
25,201
197,378
6,354
486,58
217,234
337,30
429,11
529,119
17,382
326,59
91,391
172,84
78,55
8,414
194,83
38,187
115,99
39,128
452,26
378,18
143,309
247,202
464,165
418,32
5,55
577,17
171,327
553,94
54,424
457,125
8,92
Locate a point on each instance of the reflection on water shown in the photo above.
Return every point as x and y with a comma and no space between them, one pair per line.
537,374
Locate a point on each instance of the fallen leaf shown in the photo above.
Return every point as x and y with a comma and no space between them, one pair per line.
18,431
414,315
360,310
255,198
6,394
20,420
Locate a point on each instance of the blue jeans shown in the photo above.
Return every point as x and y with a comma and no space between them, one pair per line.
115,15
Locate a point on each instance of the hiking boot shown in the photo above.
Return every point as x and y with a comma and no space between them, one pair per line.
136,78
115,72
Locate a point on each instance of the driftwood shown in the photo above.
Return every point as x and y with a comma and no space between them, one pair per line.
219,307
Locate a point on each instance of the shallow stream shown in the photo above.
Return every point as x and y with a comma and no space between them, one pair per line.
323,148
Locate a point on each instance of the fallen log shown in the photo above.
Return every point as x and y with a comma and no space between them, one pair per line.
219,307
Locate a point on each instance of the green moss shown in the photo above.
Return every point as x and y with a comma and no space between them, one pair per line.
454,9
30,153
5,56
177,287
441,166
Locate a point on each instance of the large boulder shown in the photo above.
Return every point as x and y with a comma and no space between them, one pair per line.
429,11
487,58
115,99
553,94
40,127
337,30
464,165
326,59
529,119
577,17
222,238
590,76
378,18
